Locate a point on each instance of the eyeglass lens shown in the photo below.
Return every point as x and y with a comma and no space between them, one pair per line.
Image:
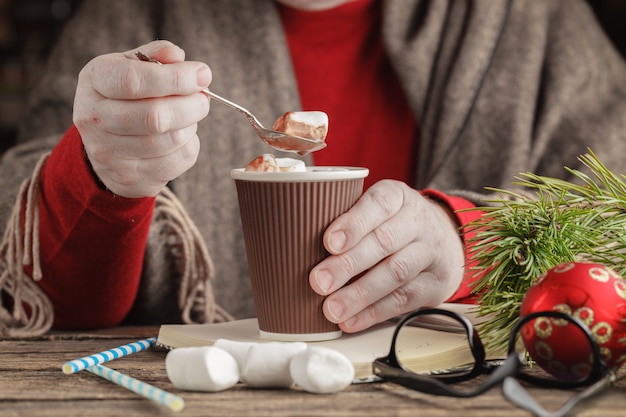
560,346
562,353
434,344
433,350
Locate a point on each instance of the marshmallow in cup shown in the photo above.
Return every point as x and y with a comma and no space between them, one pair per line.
269,163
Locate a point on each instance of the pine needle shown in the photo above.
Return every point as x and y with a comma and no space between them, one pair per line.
519,237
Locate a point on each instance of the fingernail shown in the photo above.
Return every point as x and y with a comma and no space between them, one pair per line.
335,309
324,280
204,76
337,241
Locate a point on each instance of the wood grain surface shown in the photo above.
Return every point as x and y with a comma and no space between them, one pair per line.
32,384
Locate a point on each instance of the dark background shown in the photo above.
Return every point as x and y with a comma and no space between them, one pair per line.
29,27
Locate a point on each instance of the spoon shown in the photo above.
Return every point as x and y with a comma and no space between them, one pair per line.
278,140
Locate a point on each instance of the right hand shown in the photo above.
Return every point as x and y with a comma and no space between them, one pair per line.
138,120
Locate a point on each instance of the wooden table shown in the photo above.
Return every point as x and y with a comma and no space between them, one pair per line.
32,384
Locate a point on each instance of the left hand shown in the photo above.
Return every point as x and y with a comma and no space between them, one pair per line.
406,246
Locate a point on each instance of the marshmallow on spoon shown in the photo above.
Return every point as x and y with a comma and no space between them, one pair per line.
305,124
321,370
206,368
267,364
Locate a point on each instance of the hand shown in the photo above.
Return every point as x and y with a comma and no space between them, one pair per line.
138,120
406,247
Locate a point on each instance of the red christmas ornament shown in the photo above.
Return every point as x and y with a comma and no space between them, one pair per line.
589,291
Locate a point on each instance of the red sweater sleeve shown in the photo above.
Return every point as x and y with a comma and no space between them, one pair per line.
463,294
92,241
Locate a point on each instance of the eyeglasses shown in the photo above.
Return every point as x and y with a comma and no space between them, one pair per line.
590,371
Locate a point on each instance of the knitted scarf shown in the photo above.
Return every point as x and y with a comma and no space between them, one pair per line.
26,311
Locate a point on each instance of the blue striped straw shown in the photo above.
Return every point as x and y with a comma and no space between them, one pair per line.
108,355
173,402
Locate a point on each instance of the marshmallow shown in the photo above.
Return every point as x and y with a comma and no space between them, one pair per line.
291,165
269,163
267,364
305,124
238,350
263,163
206,368
321,370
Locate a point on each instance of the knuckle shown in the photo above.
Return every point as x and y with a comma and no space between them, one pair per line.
358,223
372,313
384,238
401,297
203,105
183,137
398,270
158,119
190,151
348,264
362,293
131,82
180,80
380,198
178,137
183,156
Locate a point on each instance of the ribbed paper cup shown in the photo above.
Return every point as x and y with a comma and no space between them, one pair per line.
284,215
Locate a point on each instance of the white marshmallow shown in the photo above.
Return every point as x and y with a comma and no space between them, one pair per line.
269,163
238,350
267,364
321,370
311,118
264,163
206,368
305,124
290,165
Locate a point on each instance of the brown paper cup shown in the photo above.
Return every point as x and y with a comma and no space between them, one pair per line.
284,215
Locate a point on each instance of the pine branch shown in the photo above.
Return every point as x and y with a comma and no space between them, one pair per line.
520,237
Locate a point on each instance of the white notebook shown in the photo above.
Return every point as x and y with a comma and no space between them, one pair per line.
437,346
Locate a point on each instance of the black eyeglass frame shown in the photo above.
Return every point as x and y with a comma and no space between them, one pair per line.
389,368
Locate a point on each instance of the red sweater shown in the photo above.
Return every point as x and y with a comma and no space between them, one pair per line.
93,241
342,69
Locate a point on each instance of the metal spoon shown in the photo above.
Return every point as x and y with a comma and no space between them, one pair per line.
278,140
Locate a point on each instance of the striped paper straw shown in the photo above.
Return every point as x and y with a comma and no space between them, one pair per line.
108,355
173,402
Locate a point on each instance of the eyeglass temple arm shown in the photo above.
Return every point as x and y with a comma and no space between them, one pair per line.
516,394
